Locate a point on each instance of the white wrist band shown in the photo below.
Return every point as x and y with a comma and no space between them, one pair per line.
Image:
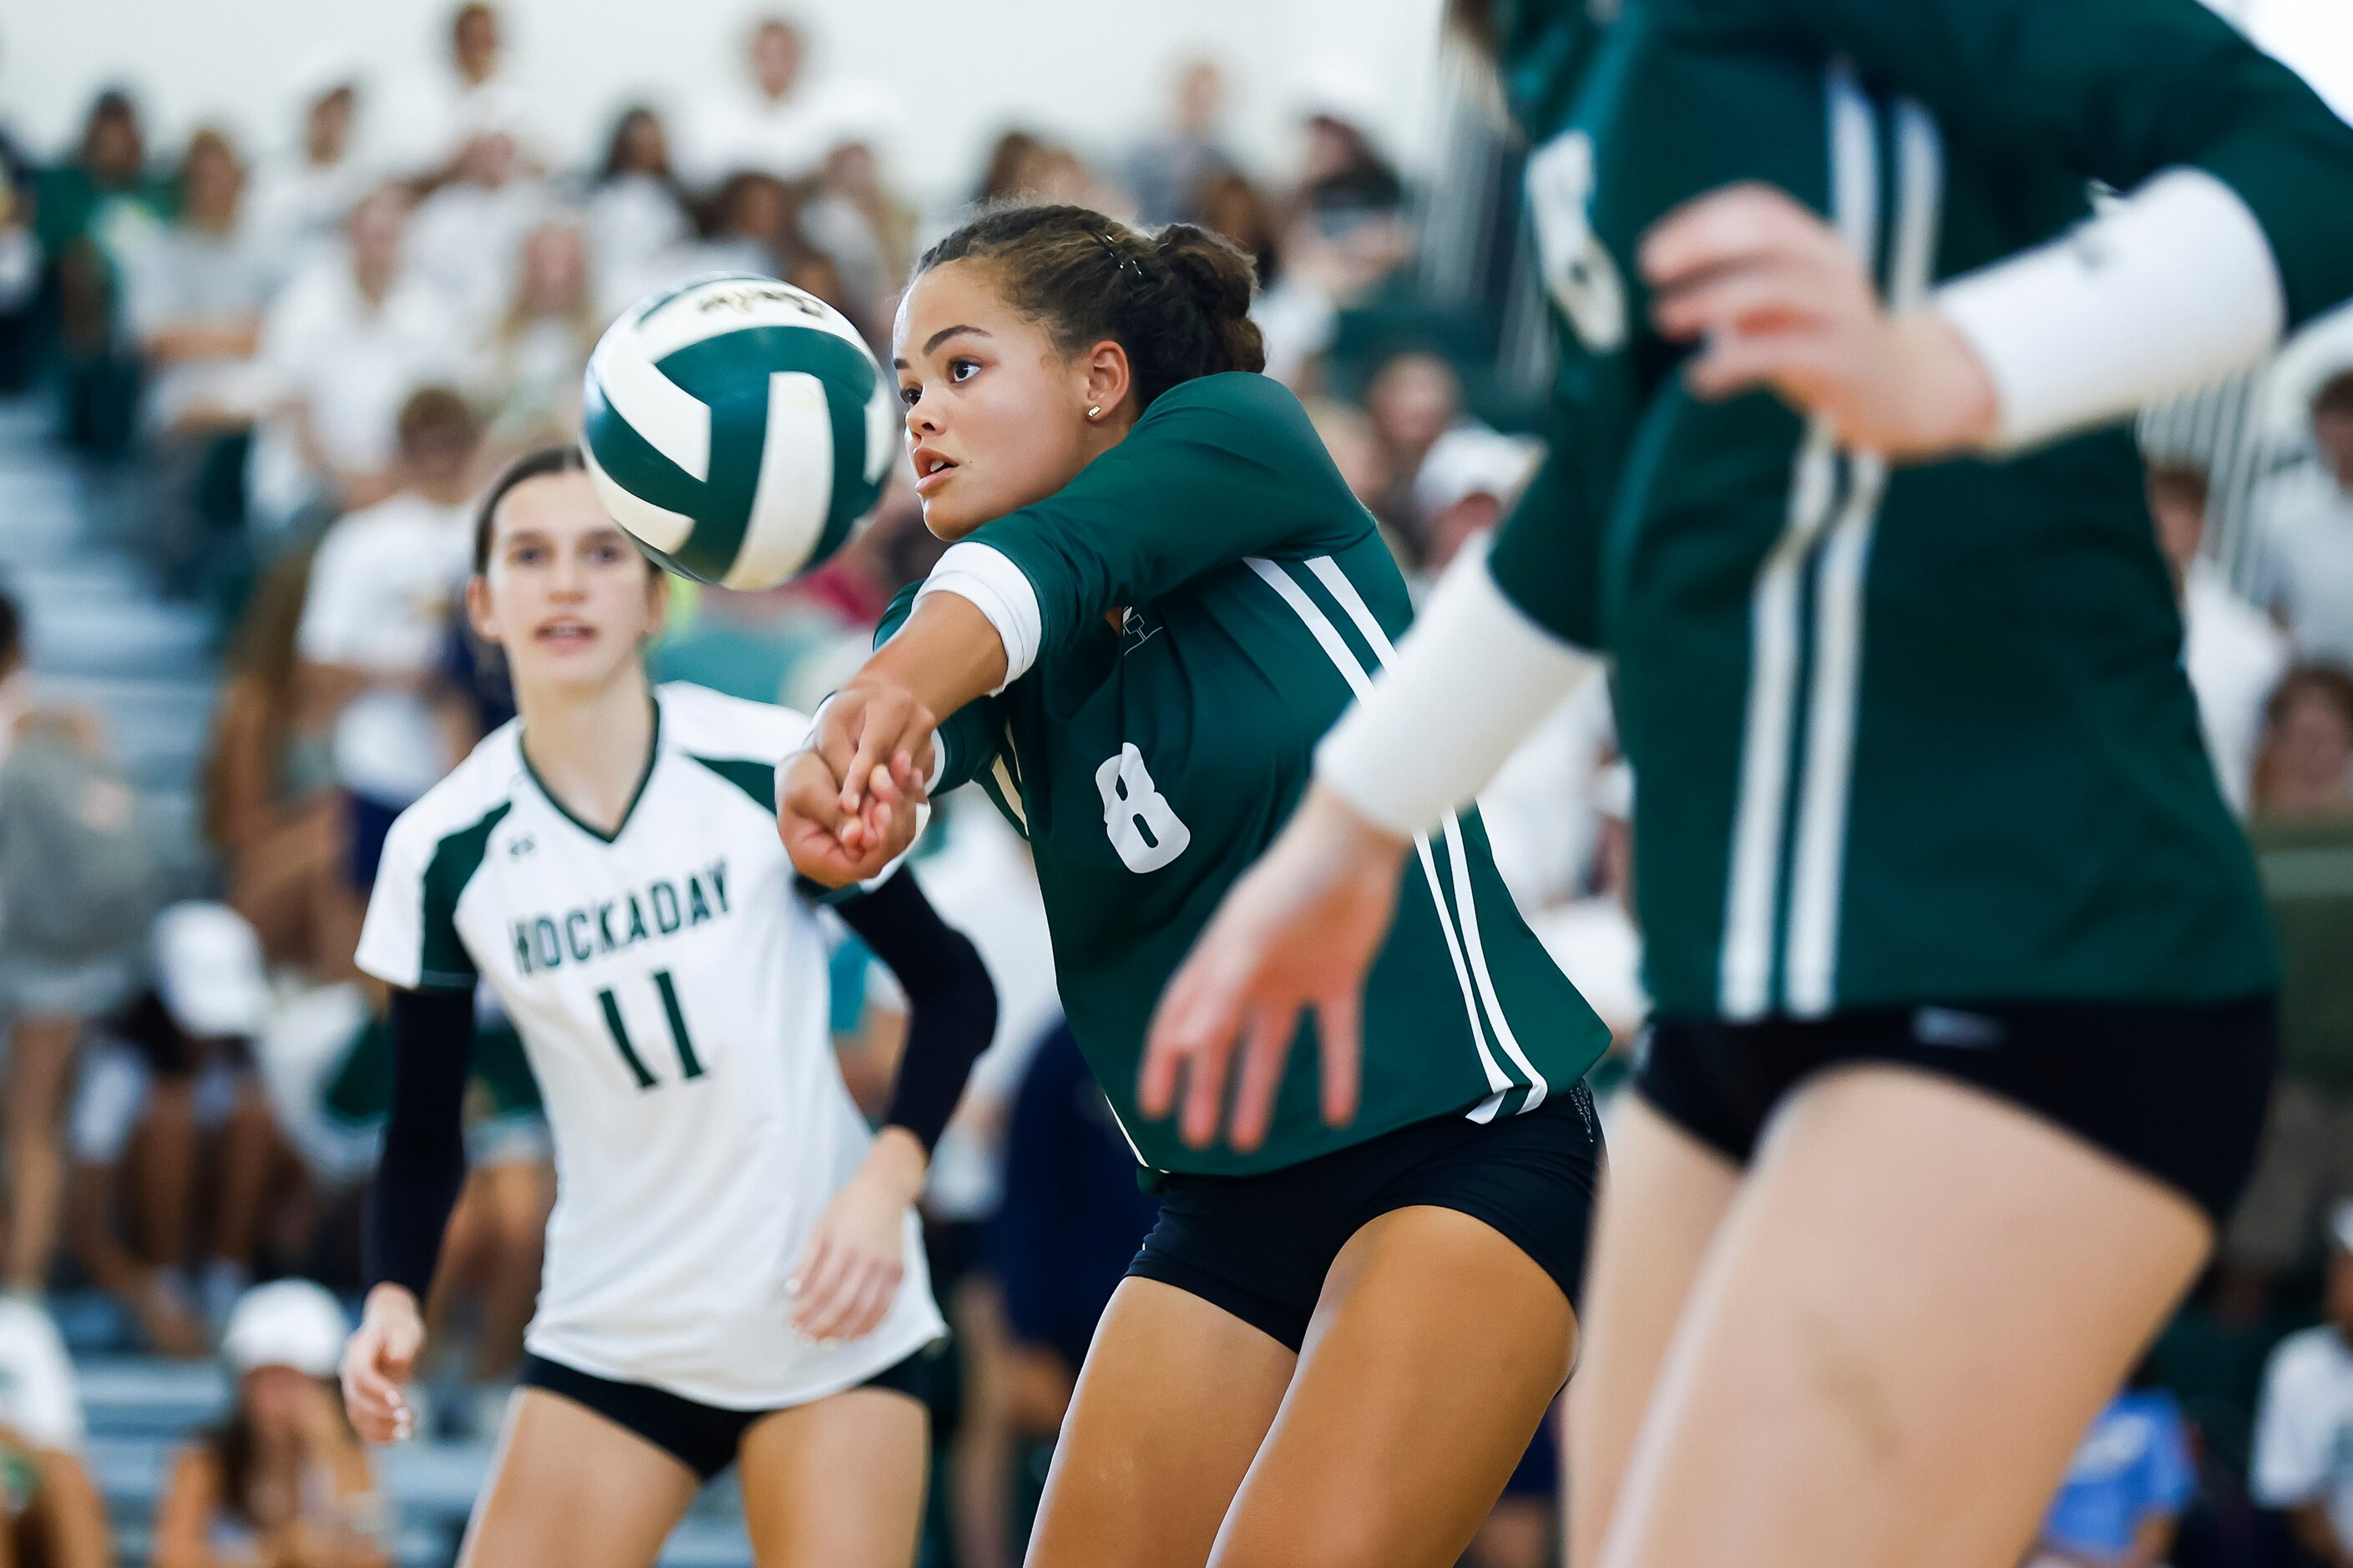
1470,681
992,584
2169,290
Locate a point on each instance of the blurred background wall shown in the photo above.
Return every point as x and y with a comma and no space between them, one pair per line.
938,78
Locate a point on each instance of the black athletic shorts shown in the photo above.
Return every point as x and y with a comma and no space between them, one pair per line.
702,1437
1259,1247
2178,1092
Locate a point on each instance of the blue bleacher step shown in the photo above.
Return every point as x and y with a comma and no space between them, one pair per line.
111,633
707,1544
145,1395
157,730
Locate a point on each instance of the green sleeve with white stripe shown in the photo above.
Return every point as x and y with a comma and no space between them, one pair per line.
2116,91
971,734
1217,469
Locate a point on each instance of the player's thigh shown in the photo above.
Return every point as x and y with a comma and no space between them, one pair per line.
1436,1347
1661,1200
570,1488
837,1482
1171,1406
1917,1305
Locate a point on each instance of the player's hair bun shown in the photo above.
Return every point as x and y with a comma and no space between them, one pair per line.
1177,301
1218,278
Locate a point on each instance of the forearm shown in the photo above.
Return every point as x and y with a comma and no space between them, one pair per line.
2172,287
950,1006
897,1162
949,653
1413,747
423,1166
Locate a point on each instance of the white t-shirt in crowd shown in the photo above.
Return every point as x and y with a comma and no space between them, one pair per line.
669,985
298,207
2304,558
383,593
37,1394
633,223
425,121
182,276
2235,656
742,128
351,363
466,240
2304,1429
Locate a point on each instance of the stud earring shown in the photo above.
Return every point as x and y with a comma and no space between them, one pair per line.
1094,411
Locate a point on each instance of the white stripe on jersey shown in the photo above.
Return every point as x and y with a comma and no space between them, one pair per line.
1752,886
1344,659
1819,861
1335,582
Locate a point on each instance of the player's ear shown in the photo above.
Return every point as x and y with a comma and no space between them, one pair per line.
1107,380
477,608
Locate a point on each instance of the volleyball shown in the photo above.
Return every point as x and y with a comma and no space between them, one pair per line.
738,428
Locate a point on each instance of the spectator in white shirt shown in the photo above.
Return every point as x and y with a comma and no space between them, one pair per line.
302,196
344,346
2233,651
535,357
751,229
636,217
2303,1428
430,120
2305,533
50,1513
768,124
854,217
195,291
466,236
383,596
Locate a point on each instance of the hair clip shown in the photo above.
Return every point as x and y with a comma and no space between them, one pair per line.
1126,263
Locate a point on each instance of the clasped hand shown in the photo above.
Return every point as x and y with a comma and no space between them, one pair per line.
848,803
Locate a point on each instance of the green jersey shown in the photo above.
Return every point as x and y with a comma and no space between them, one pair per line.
1204,600
1909,735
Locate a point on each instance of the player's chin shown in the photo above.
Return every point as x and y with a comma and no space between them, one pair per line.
956,506
584,665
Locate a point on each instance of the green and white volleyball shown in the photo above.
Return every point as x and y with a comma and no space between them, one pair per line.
738,428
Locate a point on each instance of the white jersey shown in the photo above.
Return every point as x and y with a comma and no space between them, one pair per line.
670,986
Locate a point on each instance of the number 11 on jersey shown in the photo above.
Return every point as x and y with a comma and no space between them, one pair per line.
688,1064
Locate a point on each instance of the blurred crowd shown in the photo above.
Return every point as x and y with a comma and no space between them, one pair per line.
303,360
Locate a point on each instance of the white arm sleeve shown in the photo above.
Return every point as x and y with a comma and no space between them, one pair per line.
2169,289
1470,681
996,587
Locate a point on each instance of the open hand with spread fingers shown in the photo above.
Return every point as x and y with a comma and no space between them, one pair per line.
1300,930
